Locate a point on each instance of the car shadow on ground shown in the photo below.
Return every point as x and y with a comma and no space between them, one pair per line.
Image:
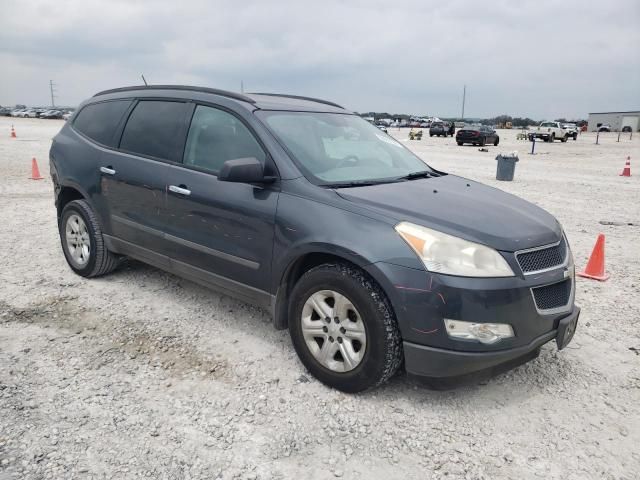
551,370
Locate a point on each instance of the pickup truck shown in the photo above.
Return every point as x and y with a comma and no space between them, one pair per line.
549,131
571,129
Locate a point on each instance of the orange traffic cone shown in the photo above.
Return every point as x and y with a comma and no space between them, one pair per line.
595,265
13,132
627,168
35,171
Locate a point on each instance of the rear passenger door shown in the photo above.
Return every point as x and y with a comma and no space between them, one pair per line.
222,231
134,176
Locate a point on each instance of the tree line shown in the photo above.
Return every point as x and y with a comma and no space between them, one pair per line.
500,119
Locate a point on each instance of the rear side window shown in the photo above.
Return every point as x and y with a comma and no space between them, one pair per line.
99,121
154,129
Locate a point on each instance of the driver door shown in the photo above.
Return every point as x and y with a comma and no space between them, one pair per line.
222,232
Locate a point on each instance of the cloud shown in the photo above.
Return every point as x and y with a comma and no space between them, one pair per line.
537,59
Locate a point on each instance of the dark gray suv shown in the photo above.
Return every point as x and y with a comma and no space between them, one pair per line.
368,256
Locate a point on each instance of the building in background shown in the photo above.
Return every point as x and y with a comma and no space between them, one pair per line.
617,120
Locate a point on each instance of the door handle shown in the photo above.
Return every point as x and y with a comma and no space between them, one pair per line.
108,170
181,190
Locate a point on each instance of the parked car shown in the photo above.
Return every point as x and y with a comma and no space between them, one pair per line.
371,258
549,132
17,112
67,115
29,113
438,129
51,114
382,127
627,128
604,128
477,135
571,129
5,112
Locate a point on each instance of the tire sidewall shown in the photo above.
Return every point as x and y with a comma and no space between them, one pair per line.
70,209
367,373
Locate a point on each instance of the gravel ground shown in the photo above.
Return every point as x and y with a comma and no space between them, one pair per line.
143,374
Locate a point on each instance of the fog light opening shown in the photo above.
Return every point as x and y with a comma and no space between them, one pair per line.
486,333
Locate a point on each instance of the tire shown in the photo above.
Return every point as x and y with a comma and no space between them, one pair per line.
564,139
496,141
375,323
459,143
431,134
552,138
97,260
575,137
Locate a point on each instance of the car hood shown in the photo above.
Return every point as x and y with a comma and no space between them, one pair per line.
463,208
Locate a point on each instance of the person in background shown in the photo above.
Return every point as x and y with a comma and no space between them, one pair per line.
452,128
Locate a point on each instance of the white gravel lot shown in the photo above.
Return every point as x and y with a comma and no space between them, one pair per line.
143,374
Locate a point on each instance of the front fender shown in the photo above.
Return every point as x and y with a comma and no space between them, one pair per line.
305,226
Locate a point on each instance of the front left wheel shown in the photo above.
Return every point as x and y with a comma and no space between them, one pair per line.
343,328
82,242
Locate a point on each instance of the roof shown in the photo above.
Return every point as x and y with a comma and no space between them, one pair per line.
265,101
637,112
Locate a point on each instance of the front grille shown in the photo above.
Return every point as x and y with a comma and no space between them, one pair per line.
542,259
552,296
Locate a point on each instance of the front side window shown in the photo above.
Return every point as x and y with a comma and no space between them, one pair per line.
99,121
153,129
216,136
337,148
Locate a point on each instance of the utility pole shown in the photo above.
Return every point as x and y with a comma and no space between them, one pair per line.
464,97
241,86
52,89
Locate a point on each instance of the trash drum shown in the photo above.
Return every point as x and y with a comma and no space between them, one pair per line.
506,167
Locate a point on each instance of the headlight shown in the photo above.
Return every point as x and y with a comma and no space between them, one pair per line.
444,253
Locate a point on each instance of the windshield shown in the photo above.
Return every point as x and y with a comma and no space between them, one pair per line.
334,148
548,124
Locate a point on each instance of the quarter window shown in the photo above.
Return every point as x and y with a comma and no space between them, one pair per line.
216,136
154,129
99,121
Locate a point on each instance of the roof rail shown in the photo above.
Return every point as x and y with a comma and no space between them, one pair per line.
215,91
298,97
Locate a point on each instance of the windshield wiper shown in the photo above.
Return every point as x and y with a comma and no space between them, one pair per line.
357,183
421,174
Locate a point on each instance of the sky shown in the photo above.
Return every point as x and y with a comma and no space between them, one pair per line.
537,58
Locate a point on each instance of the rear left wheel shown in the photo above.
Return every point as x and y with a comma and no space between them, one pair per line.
82,242
343,328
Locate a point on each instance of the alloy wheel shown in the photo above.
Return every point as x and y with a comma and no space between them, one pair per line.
333,331
78,240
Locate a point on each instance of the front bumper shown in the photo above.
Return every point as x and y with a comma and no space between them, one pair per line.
437,363
423,300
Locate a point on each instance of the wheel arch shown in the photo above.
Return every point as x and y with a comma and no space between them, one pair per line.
303,262
68,193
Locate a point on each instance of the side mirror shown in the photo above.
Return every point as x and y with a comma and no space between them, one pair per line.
243,170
